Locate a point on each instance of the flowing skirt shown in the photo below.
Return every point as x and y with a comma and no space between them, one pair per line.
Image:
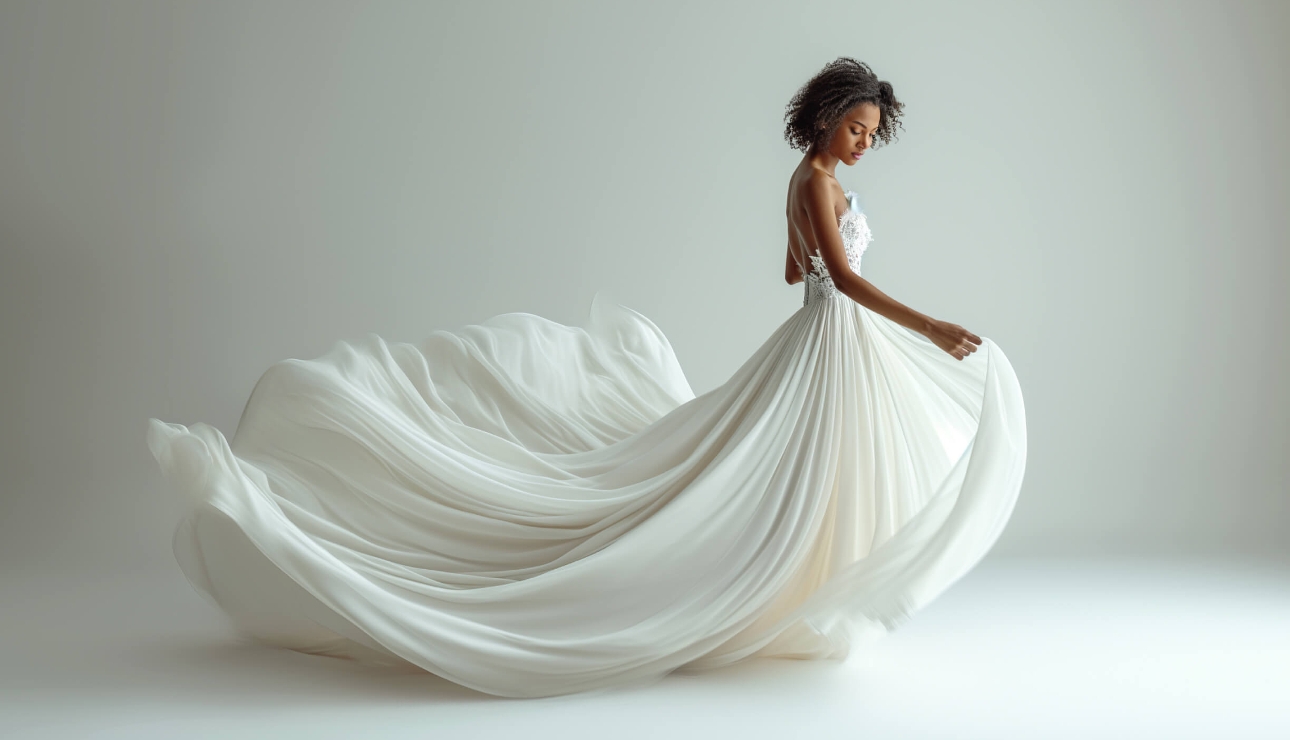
529,509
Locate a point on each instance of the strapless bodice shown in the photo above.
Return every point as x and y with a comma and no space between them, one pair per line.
855,240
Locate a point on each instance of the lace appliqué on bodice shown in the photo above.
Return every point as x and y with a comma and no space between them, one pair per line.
856,236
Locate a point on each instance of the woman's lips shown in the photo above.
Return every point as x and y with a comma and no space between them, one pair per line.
857,155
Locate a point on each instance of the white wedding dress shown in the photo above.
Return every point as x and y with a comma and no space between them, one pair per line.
529,509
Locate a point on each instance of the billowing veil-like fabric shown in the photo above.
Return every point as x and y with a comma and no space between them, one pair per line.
529,509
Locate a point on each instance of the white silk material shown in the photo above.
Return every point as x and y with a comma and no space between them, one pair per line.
530,509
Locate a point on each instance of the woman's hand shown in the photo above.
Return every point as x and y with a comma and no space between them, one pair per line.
952,338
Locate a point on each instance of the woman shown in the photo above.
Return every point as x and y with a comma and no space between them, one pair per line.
531,509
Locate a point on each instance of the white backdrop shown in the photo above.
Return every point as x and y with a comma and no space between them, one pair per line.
189,193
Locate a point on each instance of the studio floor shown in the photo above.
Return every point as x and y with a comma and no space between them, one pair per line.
1029,649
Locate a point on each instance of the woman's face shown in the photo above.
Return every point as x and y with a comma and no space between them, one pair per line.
855,133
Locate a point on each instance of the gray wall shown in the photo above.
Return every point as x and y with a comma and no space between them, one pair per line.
189,192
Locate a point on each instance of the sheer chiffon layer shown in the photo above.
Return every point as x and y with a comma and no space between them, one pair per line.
529,509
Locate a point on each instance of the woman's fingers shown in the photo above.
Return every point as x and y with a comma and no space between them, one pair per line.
960,342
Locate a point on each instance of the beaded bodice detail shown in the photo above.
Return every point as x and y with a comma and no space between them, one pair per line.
855,239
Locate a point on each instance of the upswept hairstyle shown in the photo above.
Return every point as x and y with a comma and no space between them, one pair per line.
817,107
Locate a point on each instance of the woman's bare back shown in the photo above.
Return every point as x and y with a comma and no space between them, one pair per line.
802,237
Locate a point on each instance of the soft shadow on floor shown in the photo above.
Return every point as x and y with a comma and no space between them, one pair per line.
1015,650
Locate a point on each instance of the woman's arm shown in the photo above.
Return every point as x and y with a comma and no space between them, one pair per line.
818,197
952,338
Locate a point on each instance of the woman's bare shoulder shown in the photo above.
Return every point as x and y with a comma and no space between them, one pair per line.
808,189
819,192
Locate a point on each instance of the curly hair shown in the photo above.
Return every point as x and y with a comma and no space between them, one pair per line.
816,109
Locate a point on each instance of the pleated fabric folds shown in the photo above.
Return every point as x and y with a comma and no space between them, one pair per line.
530,509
